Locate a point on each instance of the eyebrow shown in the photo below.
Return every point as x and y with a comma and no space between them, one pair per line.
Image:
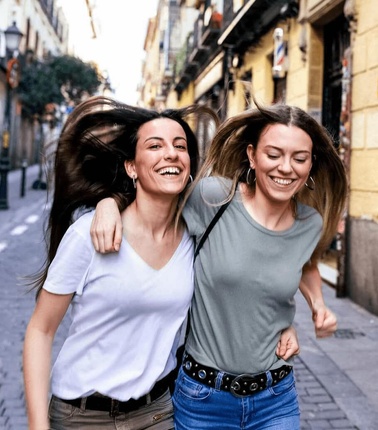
280,149
160,138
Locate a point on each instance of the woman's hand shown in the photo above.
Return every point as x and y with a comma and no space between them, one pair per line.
288,345
106,228
325,321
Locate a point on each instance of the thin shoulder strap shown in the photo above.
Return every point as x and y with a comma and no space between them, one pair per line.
210,227
199,246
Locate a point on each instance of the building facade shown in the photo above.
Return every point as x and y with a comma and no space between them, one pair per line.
45,32
320,55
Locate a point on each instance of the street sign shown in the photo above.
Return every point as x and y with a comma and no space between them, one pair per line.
13,72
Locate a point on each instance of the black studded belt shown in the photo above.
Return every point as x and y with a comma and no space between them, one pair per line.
115,407
239,385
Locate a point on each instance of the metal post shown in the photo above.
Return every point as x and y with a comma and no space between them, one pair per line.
13,38
4,160
23,177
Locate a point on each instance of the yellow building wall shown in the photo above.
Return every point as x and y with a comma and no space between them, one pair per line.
364,124
297,81
259,62
236,99
304,70
187,96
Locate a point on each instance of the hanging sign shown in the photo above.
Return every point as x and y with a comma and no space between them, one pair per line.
13,72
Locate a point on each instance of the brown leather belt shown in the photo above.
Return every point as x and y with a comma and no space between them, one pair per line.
239,385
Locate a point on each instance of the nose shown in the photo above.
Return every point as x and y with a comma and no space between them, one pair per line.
285,165
170,153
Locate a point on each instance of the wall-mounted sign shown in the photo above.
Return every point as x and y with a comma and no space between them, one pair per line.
13,72
279,54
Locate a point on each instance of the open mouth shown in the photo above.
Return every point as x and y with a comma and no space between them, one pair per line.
169,171
281,181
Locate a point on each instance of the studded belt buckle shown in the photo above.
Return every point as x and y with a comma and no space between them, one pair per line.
243,385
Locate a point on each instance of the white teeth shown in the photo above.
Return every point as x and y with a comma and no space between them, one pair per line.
283,181
169,171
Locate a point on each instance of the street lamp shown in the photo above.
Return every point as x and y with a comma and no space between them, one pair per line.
13,38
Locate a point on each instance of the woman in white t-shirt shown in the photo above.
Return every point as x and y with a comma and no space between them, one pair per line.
128,309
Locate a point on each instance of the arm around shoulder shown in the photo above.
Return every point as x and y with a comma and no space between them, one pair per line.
106,227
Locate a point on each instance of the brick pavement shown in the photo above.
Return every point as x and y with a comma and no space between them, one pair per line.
318,408
335,377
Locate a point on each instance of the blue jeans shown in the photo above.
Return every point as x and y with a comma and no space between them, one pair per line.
197,406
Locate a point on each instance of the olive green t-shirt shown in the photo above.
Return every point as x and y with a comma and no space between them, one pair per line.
246,277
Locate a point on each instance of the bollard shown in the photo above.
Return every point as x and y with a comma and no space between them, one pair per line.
24,165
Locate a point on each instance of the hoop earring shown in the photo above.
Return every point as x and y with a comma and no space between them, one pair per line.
311,185
190,179
248,177
134,181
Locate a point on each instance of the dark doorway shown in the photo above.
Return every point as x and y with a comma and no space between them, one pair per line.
336,41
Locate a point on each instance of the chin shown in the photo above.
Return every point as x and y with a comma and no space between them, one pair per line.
173,191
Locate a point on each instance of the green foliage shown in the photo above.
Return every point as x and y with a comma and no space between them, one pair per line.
76,77
38,87
55,80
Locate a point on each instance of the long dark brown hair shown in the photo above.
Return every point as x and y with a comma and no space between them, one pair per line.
97,138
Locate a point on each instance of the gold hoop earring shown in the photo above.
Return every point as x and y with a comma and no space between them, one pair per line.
134,181
310,186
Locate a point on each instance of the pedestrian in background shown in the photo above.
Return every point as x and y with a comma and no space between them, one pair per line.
128,309
285,186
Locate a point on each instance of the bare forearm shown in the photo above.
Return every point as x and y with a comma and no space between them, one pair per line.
37,362
311,286
325,320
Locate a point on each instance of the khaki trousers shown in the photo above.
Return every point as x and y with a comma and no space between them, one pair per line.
156,416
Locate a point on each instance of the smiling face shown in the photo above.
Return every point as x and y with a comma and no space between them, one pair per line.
162,164
282,162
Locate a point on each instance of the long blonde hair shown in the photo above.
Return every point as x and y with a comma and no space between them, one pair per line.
227,157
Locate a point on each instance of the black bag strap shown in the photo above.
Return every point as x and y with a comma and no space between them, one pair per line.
181,349
210,227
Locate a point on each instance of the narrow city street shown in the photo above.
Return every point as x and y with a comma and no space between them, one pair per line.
336,377
21,255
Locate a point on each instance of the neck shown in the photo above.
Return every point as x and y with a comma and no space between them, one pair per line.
153,215
272,215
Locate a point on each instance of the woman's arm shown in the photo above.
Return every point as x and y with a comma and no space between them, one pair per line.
288,344
48,314
325,320
106,227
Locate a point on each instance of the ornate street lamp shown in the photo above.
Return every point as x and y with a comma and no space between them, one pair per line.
13,38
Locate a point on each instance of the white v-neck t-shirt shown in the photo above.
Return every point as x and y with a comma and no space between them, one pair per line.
127,318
